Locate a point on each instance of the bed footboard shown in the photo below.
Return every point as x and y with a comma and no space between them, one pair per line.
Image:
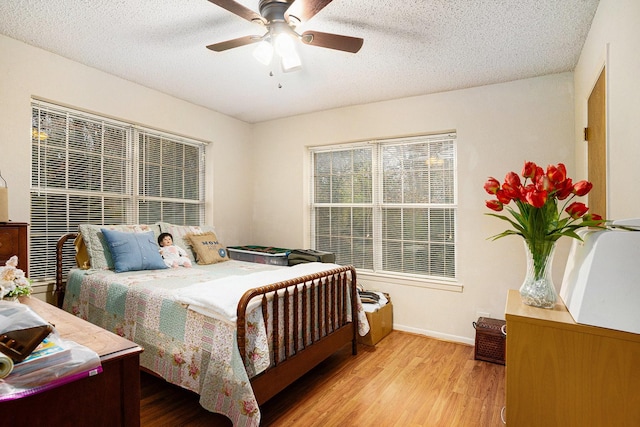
324,304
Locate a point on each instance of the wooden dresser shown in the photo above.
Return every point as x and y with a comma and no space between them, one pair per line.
111,398
561,373
13,241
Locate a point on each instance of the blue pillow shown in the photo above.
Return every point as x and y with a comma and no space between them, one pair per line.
133,251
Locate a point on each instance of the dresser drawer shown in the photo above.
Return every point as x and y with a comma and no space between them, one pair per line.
13,241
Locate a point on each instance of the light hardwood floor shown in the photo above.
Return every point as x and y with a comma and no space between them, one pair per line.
406,380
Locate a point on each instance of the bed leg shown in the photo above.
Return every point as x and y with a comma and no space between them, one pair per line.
59,297
354,314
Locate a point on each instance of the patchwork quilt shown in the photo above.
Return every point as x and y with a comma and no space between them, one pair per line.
195,349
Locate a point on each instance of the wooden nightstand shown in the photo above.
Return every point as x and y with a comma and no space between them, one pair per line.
111,398
13,241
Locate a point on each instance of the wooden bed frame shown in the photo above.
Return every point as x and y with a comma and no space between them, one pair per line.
324,297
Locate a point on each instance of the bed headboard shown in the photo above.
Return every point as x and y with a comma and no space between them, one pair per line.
60,284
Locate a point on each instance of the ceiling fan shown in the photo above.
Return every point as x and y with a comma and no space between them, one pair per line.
280,18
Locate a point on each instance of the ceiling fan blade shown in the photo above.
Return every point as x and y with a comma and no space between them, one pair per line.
239,10
230,44
305,9
332,41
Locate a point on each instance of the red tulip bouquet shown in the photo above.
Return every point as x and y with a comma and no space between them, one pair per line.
536,216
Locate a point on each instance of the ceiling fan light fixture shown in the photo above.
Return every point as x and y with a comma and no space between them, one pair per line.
284,44
263,52
286,49
280,18
291,63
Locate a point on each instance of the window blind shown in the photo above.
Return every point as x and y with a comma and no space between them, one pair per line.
418,206
171,176
387,206
90,169
343,204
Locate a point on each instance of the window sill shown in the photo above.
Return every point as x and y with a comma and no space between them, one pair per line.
408,281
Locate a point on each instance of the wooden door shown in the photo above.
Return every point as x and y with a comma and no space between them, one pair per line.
596,137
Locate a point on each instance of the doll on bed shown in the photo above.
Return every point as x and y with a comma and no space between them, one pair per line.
173,256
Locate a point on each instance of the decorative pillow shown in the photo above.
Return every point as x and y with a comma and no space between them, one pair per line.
133,251
99,255
82,256
207,248
179,233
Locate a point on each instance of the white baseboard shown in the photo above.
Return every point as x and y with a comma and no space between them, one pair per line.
435,334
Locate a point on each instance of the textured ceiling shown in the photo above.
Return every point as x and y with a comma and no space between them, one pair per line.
411,47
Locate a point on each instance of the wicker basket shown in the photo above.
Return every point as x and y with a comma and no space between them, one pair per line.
490,340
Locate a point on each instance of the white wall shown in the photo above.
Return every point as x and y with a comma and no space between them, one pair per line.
614,39
498,127
26,71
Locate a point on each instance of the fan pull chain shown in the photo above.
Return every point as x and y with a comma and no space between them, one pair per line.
271,75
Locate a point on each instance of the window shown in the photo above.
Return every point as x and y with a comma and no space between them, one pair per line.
88,169
387,206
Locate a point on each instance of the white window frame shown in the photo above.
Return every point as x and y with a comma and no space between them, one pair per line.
44,233
377,205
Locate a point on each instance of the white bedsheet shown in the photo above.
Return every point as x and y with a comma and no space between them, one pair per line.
219,298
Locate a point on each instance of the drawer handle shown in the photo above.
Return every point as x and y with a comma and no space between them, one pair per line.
503,329
502,418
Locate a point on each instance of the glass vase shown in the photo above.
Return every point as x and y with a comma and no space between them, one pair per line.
538,289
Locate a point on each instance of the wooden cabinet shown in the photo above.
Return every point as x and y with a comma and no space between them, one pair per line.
561,373
111,398
13,241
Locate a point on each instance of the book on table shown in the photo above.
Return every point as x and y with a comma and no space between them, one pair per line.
49,352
